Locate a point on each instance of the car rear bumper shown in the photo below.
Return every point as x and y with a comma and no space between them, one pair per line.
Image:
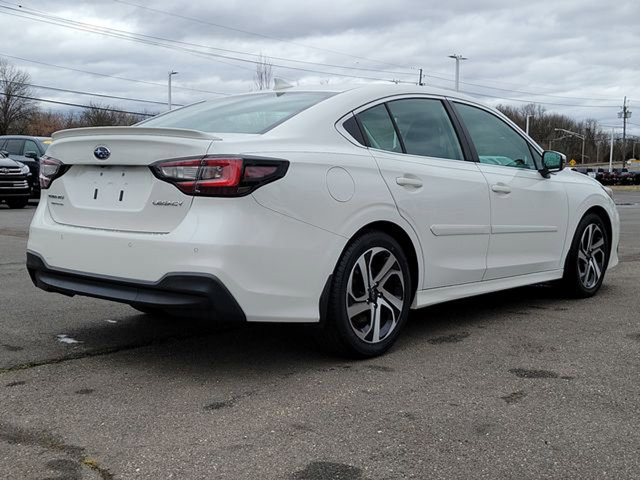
274,266
197,294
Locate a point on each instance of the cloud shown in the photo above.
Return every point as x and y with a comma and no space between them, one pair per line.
588,52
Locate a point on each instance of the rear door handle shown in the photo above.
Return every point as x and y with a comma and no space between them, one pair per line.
408,182
500,188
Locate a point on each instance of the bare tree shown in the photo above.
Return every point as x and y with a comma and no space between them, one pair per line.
543,131
264,74
103,116
44,123
15,107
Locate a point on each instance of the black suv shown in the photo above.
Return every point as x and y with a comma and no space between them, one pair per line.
27,150
15,178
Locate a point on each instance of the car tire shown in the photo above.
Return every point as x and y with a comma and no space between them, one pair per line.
17,202
368,298
588,258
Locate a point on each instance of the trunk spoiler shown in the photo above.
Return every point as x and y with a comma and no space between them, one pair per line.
160,132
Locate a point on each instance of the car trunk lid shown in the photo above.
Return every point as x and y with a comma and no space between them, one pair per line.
109,184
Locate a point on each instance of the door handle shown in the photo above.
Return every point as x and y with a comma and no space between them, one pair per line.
500,188
408,182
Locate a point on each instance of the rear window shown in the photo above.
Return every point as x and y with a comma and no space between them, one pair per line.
254,113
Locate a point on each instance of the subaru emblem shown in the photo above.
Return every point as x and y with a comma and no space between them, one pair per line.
101,153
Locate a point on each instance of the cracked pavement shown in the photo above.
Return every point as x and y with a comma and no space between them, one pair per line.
518,384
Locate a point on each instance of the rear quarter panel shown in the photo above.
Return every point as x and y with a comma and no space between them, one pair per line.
338,189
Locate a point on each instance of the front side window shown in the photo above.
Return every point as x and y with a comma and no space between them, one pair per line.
426,128
14,147
379,130
255,113
495,141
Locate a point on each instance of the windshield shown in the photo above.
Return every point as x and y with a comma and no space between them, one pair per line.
255,113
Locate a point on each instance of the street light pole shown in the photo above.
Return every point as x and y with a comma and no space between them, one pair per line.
555,139
583,137
527,126
171,73
458,58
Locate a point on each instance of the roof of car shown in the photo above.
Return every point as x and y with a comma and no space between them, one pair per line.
26,137
370,89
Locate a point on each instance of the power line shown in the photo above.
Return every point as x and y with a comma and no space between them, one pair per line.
108,76
164,12
132,36
78,92
432,75
156,41
30,13
91,107
34,15
536,101
537,94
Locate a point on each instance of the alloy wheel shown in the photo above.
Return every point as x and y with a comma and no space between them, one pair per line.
375,295
591,256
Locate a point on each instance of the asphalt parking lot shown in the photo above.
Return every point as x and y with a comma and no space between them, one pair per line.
520,384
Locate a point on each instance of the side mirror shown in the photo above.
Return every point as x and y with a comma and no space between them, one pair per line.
552,162
30,154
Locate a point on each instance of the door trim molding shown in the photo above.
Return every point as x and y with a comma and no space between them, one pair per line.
443,230
498,229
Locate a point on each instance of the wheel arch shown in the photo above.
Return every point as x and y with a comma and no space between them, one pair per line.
398,233
601,212
404,239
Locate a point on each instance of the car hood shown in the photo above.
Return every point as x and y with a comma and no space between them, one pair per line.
7,162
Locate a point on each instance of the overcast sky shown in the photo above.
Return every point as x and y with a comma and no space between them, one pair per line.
571,52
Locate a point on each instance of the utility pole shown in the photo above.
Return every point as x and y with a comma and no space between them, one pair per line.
458,58
420,79
624,114
171,73
527,127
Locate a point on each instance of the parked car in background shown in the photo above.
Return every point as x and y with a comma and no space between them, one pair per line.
617,176
27,150
14,182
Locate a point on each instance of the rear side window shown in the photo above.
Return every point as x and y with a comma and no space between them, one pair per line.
379,130
426,128
254,113
14,147
495,141
352,128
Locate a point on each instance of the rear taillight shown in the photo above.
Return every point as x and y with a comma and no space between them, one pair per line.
50,169
219,176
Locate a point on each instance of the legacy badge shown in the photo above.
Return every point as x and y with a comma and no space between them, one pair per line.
167,203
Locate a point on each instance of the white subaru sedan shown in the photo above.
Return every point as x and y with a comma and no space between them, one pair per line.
343,207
